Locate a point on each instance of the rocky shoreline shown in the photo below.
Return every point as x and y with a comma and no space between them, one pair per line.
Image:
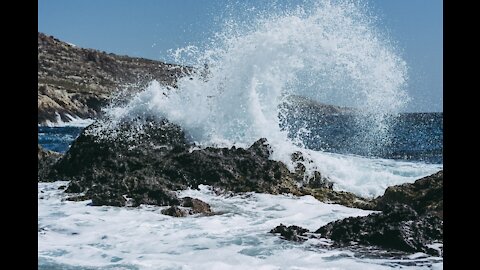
146,161
411,219
121,166
74,82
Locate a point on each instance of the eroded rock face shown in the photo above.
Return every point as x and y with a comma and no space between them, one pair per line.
79,82
398,227
46,159
328,195
158,160
425,195
161,157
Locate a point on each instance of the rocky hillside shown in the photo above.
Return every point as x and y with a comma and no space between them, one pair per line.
78,82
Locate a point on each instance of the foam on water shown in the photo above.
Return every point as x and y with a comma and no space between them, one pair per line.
74,121
73,235
368,177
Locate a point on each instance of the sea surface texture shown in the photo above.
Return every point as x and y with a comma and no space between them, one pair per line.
265,77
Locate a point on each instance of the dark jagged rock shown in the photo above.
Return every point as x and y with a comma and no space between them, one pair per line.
144,163
292,233
425,195
190,206
46,159
197,206
108,198
155,195
314,181
78,198
318,181
79,82
398,227
410,221
175,211
159,158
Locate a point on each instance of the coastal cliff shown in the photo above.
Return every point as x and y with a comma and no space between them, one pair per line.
74,82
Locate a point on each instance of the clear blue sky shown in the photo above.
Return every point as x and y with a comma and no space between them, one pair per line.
148,28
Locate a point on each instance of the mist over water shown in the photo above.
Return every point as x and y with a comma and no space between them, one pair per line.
328,51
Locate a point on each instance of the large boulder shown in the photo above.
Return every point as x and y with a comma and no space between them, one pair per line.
145,160
398,227
145,164
425,195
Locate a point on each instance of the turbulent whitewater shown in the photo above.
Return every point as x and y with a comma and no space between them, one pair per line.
72,235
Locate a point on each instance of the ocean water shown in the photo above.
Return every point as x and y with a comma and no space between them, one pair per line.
331,52
58,138
414,136
74,235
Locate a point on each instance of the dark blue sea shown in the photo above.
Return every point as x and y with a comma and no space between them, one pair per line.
412,136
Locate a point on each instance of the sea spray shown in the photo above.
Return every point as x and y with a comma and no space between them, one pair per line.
328,51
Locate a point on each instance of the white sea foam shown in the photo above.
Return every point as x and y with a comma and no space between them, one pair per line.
368,177
75,234
74,121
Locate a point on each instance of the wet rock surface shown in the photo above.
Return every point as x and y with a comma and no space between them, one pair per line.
292,233
175,211
398,227
127,166
46,159
425,195
411,219
147,165
196,206
189,206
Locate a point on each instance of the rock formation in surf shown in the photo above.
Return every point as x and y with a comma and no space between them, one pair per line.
398,227
46,159
425,195
411,220
291,233
123,166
